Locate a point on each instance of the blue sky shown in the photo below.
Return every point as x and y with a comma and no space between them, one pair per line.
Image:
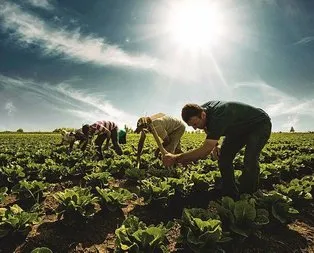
66,63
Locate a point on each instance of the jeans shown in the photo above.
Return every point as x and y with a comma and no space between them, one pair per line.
253,141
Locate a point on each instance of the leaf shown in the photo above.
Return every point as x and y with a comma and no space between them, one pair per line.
243,211
239,231
41,250
16,209
261,220
228,203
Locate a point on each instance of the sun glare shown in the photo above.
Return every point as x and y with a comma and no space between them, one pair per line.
195,24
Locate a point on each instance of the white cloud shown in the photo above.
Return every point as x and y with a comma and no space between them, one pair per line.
29,29
101,109
279,104
290,122
66,99
44,4
10,108
305,40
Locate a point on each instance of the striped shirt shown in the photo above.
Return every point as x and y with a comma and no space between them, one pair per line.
99,126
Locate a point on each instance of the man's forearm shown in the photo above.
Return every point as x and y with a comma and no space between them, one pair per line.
193,155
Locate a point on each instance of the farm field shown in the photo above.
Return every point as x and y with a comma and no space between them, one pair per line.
73,203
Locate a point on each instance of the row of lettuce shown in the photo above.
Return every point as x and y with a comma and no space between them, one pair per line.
33,168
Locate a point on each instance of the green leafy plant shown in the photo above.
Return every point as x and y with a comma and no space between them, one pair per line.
13,173
135,237
298,189
156,190
100,179
241,217
15,220
134,174
76,202
114,198
183,185
201,230
41,250
278,205
30,189
202,181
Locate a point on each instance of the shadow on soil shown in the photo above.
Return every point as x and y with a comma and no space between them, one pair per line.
61,237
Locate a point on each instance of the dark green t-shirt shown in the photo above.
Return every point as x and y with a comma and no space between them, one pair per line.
231,118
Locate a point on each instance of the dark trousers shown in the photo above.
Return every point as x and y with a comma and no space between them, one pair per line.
254,141
102,137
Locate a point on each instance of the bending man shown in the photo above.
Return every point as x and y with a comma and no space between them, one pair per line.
68,138
242,125
104,131
169,130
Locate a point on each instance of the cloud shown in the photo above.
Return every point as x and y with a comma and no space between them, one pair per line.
28,29
305,40
100,107
67,100
279,104
10,108
44,4
291,121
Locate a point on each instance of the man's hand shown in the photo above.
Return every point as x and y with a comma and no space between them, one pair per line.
169,159
215,154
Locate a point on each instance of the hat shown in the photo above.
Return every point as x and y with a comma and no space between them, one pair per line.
141,123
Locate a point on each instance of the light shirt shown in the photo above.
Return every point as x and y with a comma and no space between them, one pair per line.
166,125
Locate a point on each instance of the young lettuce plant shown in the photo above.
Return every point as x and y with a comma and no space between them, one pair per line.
278,205
134,174
100,179
201,230
15,220
13,173
135,237
76,202
182,186
42,250
114,198
241,217
299,190
202,181
155,190
30,190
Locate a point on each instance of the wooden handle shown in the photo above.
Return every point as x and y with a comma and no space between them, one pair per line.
160,146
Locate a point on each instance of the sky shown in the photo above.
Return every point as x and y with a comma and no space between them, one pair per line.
68,63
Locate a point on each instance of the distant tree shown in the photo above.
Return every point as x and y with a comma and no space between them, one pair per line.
292,130
20,130
59,130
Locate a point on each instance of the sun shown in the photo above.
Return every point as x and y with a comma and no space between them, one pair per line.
195,24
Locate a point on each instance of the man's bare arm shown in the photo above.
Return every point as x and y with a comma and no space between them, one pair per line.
196,154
